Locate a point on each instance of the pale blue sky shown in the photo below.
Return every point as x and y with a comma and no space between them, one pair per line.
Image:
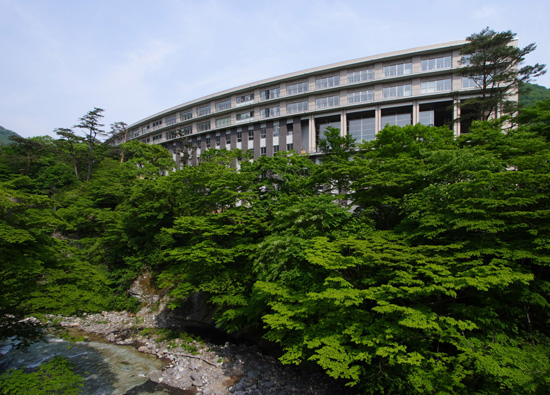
133,58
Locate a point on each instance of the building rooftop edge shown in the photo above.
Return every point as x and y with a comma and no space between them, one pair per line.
410,51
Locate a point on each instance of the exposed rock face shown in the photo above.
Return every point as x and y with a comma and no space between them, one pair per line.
193,313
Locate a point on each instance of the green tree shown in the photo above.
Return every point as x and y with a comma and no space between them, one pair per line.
493,62
91,123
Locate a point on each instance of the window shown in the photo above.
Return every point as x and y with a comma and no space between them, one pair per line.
157,137
186,115
362,128
222,122
357,97
294,89
435,86
239,136
171,120
218,139
397,118
468,82
208,142
263,151
426,117
263,132
289,129
203,111
276,130
199,142
228,138
270,94
244,99
397,91
398,69
185,130
327,82
223,105
362,75
275,149
293,108
289,146
440,63
329,101
157,123
245,116
202,126
270,112
250,134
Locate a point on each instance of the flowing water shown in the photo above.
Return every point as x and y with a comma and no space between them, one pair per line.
108,369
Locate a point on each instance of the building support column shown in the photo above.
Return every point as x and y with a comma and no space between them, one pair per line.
456,115
312,136
415,112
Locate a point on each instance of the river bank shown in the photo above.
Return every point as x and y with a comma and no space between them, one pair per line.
199,366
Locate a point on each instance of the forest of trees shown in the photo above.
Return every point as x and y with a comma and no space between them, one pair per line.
415,263
421,265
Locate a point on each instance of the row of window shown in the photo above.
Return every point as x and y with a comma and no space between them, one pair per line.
405,68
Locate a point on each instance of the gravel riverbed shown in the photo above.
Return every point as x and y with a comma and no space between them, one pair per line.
199,366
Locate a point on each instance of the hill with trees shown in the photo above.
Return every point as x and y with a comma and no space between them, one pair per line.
5,135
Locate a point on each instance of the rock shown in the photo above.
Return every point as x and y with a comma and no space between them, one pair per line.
111,337
144,349
253,374
195,376
155,376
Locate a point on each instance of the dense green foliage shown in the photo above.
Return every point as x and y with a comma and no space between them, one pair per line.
531,94
414,263
53,377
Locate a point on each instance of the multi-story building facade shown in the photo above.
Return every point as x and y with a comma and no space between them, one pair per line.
291,112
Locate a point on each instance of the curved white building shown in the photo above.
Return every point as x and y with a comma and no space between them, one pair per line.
291,111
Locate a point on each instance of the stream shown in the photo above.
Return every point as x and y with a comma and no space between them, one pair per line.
108,369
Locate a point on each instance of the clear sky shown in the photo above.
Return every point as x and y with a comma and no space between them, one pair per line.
134,58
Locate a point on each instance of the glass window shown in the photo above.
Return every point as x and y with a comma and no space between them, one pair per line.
361,96
223,105
426,117
294,89
468,82
399,119
275,149
239,136
157,123
171,120
276,130
397,91
244,116
270,93
263,132
218,139
361,75
245,98
250,134
362,129
203,111
440,63
329,101
263,151
228,137
222,122
270,112
202,126
157,137
289,129
208,142
186,130
186,115
398,69
327,82
293,108
289,146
